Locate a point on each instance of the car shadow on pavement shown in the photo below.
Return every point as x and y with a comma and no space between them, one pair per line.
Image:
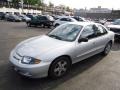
17,82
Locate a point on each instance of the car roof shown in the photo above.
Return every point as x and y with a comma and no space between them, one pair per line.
67,17
82,23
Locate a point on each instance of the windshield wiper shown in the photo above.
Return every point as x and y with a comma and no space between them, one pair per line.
55,36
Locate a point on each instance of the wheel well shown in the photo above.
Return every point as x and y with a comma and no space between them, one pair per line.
110,42
57,24
67,56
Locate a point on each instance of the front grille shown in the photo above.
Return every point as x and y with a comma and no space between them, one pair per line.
115,30
17,56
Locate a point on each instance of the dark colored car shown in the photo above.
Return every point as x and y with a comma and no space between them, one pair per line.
13,18
41,21
30,16
2,15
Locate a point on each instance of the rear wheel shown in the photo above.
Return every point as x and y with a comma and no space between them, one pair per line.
43,25
107,48
28,24
59,67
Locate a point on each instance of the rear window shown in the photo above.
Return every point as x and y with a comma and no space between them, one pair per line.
51,18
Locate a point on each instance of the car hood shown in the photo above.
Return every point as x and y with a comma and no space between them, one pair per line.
39,46
114,26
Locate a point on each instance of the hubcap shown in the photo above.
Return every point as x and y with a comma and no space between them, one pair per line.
60,68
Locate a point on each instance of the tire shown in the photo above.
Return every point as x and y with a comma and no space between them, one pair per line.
43,25
59,67
13,20
107,49
28,24
56,25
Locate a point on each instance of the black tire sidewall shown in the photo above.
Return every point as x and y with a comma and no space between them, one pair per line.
104,52
52,66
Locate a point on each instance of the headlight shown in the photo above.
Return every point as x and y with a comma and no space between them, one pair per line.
30,60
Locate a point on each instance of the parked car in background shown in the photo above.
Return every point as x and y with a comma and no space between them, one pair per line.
53,54
102,21
13,18
55,17
30,16
63,20
81,19
115,27
41,20
25,18
2,15
108,22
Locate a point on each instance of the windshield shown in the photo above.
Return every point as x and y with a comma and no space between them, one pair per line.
66,32
116,22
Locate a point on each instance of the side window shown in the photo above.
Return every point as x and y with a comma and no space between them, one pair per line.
80,19
42,18
68,19
101,30
65,19
88,32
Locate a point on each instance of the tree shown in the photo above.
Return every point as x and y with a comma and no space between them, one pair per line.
15,3
33,2
67,8
51,5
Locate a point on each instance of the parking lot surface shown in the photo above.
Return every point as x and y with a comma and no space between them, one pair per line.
95,73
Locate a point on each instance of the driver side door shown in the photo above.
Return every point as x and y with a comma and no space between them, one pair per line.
85,49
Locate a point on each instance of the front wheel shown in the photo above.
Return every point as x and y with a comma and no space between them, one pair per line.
59,67
107,48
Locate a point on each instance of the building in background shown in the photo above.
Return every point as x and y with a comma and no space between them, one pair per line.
94,13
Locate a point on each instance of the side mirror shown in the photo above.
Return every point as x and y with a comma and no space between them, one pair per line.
83,40
94,27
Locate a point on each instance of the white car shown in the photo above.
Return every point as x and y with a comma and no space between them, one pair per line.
25,18
115,27
53,54
63,20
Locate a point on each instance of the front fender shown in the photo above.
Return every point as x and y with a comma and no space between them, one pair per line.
53,54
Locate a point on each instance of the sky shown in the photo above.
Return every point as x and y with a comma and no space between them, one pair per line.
115,4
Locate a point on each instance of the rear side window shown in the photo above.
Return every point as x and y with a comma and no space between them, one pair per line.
101,30
65,19
88,32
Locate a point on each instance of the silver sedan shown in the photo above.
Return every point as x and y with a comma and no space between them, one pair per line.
53,54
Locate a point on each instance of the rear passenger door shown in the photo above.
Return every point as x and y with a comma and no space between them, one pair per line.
42,19
101,38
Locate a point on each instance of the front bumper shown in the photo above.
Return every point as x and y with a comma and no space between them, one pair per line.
32,71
